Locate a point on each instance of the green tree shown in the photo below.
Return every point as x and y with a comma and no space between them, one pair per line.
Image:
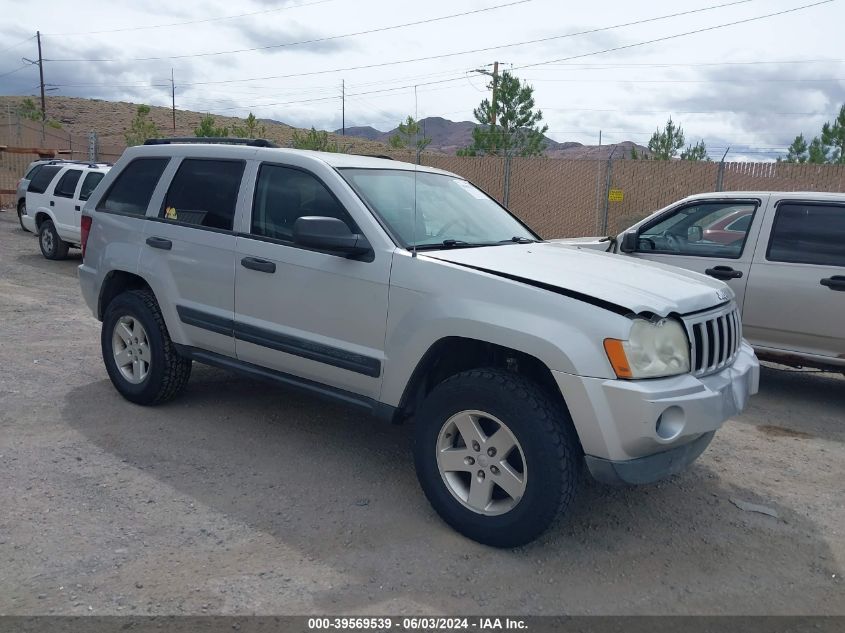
314,140
208,129
833,137
817,153
141,127
517,131
798,152
697,152
408,136
250,129
665,145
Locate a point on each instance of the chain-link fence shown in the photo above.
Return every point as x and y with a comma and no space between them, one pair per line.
556,197
569,198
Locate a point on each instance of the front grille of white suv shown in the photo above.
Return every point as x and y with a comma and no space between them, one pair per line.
714,340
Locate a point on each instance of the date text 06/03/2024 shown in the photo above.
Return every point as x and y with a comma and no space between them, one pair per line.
417,623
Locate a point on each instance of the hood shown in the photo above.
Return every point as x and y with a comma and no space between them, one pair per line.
622,284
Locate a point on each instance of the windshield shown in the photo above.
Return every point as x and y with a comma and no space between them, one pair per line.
450,211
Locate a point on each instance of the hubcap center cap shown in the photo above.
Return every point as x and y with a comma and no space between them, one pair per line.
483,461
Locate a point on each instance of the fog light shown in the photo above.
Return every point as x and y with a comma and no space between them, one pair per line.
670,423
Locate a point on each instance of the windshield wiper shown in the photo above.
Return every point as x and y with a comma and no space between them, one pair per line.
518,240
454,244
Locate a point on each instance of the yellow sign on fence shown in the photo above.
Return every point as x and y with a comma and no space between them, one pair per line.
616,195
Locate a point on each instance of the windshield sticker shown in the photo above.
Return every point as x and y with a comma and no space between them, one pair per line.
475,193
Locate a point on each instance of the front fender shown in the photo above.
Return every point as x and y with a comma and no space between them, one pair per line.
431,300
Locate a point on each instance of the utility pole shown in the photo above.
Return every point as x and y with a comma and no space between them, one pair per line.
173,99
41,75
343,107
493,113
495,87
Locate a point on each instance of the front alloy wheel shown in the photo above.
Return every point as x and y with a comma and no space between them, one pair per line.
481,462
496,455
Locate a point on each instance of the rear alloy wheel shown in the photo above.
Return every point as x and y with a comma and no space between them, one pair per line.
52,246
21,212
496,456
140,358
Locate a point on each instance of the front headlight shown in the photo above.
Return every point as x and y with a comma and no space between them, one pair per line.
654,349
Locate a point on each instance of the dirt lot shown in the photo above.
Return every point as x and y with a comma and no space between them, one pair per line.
242,498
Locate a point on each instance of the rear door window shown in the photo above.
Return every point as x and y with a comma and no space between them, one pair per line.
66,186
133,188
204,193
43,178
89,184
808,234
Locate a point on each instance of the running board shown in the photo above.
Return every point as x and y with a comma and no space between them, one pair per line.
377,409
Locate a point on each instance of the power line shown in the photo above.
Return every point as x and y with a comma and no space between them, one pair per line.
11,72
8,48
677,35
492,48
311,41
612,65
626,46
470,51
689,81
218,19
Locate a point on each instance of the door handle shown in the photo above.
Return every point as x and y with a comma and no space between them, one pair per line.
723,272
837,282
261,265
159,242
77,207
52,203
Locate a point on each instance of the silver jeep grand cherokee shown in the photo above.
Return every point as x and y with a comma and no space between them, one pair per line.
409,293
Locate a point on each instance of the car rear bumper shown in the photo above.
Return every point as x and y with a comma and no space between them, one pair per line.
653,428
29,223
88,285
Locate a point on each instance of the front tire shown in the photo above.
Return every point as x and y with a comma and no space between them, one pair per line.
497,458
140,358
21,211
52,246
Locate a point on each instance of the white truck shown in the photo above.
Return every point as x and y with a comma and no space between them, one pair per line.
782,253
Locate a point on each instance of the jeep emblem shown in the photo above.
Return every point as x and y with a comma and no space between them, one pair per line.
722,295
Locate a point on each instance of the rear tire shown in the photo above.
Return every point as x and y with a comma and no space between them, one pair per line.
541,467
140,358
21,211
52,246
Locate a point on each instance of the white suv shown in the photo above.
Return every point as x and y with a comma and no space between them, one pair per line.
54,199
407,292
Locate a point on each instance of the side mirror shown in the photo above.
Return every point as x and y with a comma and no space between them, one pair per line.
695,234
629,242
329,234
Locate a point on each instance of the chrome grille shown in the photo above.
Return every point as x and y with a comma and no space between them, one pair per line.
714,340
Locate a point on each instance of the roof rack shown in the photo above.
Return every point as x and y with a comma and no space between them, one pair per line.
383,156
222,140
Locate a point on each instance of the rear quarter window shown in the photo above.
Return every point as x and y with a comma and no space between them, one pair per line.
133,188
90,183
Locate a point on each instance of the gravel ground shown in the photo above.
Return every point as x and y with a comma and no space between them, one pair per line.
240,498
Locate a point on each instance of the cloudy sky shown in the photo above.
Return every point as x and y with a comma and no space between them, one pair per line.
751,85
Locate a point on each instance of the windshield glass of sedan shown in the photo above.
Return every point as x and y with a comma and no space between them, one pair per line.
448,209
